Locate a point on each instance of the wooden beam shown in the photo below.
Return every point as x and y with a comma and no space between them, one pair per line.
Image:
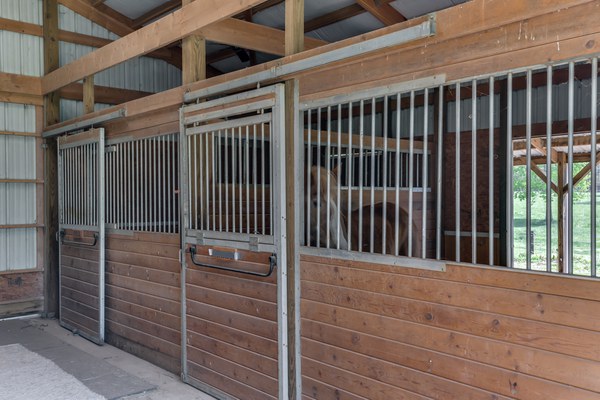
543,176
156,12
88,94
52,116
333,17
168,29
169,55
102,94
95,14
21,84
193,56
383,11
539,145
248,35
582,174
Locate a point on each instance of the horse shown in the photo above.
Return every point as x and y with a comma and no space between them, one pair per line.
325,201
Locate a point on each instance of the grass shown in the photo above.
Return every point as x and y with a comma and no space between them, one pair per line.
581,234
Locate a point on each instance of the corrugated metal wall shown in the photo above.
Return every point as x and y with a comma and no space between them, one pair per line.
143,73
19,54
17,200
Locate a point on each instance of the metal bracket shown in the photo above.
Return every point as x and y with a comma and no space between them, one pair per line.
253,243
272,264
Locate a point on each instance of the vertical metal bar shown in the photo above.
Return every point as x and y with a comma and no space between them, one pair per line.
175,169
548,168
457,176
360,173
528,170
474,171
138,188
167,189
254,184
213,164
226,148
130,185
491,173
372,205
197,214
120,184
425,180
318,182
339,178
101,227
233,178
385,175
247,179
241,178
350,175
272,178
411,171
155,185
571,112
163,189
262,176
219,179
594,115
398,177
208,153
328,169
308,177
438,190
146,186
509,173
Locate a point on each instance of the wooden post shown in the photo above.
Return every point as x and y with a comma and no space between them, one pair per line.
52,116
88,94
294,43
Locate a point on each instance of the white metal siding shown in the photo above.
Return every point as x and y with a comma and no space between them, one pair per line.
19,53
17,200
143,73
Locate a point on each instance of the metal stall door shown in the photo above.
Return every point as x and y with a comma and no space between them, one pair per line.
233,281
81,233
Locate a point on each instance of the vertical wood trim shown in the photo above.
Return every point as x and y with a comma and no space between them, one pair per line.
51,116
294,43
88,94
193,65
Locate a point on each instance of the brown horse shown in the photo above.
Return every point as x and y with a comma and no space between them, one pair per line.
323,197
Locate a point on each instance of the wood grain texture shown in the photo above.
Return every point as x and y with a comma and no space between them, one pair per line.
143,304
485,332
232,328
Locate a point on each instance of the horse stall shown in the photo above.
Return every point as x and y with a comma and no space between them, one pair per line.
408,214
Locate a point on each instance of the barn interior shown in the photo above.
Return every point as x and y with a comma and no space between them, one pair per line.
293,199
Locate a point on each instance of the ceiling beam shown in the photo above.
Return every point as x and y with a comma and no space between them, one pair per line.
155,13
382,10
177,25
251,36
110,22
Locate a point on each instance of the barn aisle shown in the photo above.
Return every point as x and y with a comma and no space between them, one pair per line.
103,370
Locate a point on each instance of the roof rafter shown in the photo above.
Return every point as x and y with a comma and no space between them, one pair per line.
155,13
333,17
179,24
382,10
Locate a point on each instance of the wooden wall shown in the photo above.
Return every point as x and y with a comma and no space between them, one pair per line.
380,332
143,306
21,292
232,327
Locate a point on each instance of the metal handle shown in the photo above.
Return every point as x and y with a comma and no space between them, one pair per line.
272,264
62,240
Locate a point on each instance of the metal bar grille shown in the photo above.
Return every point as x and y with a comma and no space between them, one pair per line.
142,183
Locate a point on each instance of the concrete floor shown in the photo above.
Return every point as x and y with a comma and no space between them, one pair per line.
106,370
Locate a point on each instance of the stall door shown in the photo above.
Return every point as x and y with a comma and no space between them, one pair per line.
81,233
234,245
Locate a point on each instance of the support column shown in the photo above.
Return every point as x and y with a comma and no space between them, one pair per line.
193,65
51,116
88,95
294,43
